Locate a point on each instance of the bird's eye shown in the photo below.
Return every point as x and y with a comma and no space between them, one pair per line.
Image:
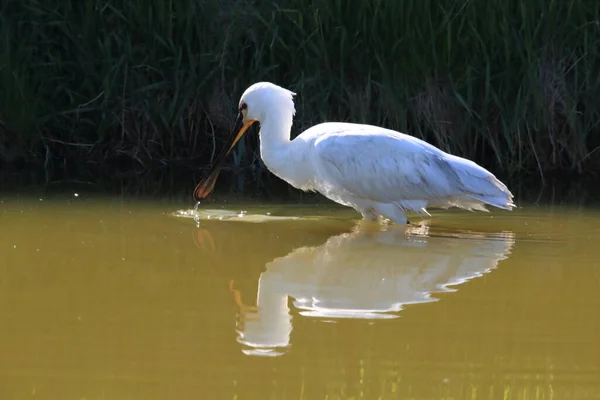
243,106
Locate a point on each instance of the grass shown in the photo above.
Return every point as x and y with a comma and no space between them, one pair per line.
141,84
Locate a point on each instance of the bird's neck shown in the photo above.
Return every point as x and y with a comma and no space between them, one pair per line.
275,137
282,156
275,130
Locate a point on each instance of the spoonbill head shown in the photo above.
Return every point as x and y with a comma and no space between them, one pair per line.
265,99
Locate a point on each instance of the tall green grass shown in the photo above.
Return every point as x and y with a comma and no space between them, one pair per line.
514,85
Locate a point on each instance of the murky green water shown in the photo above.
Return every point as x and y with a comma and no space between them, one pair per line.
111,298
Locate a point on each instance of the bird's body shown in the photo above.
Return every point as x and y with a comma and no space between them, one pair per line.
377,171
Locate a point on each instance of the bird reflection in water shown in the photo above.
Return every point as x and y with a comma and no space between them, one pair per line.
369,273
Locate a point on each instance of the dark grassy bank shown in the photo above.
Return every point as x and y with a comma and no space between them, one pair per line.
98,84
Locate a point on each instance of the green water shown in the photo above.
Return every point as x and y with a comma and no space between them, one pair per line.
108,297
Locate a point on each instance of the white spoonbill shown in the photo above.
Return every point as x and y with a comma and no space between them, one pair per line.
376,171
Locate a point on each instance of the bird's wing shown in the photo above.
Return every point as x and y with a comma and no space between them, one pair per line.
383,165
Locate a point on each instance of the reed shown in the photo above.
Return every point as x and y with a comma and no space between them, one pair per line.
138,84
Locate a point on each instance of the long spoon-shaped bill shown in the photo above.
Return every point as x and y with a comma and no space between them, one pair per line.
206,186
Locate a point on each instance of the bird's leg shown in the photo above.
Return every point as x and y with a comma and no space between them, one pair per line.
368,214
391,211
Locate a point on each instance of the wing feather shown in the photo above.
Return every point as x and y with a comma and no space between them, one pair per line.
382,165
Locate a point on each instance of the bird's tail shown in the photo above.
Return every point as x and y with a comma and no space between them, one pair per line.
504,202
481,185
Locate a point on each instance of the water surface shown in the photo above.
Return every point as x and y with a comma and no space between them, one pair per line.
117,298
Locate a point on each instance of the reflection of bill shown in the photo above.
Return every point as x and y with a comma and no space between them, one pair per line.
363,275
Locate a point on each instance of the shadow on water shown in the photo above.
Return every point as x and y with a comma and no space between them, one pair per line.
332,270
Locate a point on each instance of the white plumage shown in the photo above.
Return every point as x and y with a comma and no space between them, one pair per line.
377,171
